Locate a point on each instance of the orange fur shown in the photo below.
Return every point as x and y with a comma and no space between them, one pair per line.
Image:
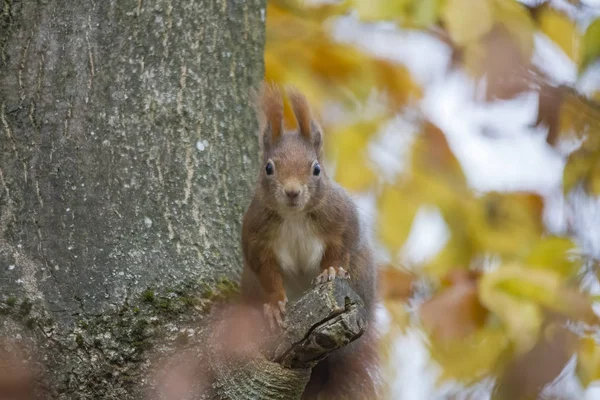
271,112
301,111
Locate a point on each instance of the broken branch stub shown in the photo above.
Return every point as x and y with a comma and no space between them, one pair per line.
327,317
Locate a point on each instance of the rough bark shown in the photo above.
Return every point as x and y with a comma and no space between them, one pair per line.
126,158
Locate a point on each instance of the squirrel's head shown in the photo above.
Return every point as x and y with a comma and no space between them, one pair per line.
291,178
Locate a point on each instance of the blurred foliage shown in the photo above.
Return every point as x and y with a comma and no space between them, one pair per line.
502,318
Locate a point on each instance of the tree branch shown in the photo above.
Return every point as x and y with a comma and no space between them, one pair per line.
327,317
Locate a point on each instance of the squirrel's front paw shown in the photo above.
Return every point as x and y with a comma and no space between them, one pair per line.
330,274
274,312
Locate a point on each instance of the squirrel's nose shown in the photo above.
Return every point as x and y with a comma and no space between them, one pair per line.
292,193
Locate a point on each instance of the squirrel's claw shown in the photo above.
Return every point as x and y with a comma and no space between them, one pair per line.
274,314
330,274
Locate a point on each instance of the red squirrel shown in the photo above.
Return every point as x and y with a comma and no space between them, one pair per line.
301,229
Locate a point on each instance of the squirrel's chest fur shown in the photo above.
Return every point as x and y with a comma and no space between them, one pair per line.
299,251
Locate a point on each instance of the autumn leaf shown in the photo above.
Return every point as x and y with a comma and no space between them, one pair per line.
549,111
425,12
454,312
466,20
436,176
432,153
396,214
521,316
399,313
525,374
588,360
590,48
470,358
583,167
396,81
519,296
395,283
301,51
316,12
347,147
553,252
458,251
507,224
561,30
515,18
377,10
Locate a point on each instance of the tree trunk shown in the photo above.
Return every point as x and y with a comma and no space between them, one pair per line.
127,155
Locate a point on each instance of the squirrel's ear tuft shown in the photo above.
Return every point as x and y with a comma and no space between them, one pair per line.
268,104
307,126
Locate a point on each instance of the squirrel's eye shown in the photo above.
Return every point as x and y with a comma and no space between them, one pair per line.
316,169
269,168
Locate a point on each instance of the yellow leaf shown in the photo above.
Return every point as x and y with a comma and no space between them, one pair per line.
432,154
588,361
517,21
583,167
474,58
522,317
553,252
318,12
472,358
396,81
347,147
376,10
395,217
590,47
399,313
467,20
436,175
506,224
562,31
275,70
518,295
300,49
425,13
457,253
